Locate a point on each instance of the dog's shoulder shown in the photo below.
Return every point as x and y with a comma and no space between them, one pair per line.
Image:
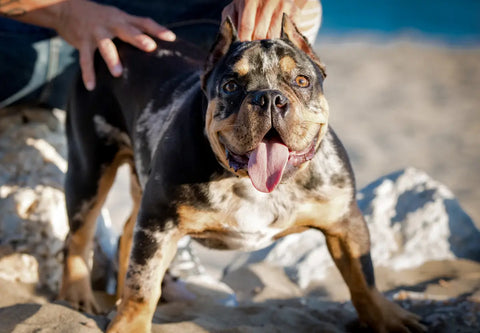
331,164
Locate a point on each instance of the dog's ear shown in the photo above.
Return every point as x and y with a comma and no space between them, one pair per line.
290,32
226,37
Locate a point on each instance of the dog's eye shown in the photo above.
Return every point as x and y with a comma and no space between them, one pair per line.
230,87
302,81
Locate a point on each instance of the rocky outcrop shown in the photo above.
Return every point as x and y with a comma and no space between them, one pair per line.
33,219
414,219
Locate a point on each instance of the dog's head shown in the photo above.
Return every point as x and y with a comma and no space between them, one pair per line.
266,110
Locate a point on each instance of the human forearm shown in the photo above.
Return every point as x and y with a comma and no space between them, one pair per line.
45,13
88,26
309,17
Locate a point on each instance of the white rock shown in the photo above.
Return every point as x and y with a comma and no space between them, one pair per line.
33,220
413,219
19,267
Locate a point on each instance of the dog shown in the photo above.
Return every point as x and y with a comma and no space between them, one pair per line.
236,155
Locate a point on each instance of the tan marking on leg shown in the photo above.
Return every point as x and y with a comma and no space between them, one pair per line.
287,64
75,287
132,316
126,239
242,67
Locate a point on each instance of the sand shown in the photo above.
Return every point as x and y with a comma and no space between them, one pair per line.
446,294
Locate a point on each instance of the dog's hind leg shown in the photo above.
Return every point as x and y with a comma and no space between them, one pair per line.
83,208
95,150
125,243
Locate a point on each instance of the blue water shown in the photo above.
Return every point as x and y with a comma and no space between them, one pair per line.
453,21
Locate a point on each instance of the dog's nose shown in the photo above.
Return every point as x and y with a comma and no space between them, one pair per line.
272,100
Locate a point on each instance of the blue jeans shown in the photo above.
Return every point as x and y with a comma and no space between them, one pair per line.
37,67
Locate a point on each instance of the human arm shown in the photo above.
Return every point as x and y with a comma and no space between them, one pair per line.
87,26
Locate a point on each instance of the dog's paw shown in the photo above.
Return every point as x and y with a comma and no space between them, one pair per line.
131,317
385,316
397,319
79,295
128,325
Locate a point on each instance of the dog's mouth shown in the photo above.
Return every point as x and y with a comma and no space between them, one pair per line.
268,161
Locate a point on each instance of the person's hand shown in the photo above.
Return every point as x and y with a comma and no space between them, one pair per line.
87,26
259,19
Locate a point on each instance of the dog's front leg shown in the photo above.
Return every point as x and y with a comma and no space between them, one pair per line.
349,244
152,252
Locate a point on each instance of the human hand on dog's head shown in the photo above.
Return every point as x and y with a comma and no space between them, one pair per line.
258,19
262,19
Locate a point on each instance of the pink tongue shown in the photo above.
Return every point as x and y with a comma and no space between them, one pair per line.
266,165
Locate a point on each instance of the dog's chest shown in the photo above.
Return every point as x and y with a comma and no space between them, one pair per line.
251,216
240,217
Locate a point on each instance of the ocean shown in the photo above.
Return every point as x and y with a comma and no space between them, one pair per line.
455,22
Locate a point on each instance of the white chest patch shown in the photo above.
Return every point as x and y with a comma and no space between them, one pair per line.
252,220
254,224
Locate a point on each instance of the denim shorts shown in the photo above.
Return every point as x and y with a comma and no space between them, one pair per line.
37,67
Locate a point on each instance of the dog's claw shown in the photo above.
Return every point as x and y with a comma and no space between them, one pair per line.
86,304
80,296
404,321
417,326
